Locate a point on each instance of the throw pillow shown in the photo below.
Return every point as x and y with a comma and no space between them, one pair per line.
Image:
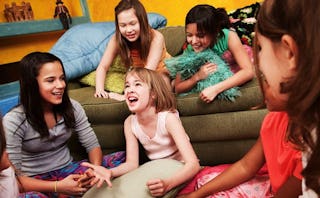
189,63
133,184
175,37
82,46
115,77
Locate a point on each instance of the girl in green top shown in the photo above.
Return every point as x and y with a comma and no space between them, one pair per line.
208,28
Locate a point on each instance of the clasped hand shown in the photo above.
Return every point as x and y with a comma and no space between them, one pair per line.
74,184
157,187
205,70
100,173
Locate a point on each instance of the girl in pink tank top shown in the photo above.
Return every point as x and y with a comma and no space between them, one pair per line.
154,123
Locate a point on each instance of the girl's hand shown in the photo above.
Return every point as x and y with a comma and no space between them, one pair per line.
69,186
101,94
209,94
157,187
205,70
88,179
100,173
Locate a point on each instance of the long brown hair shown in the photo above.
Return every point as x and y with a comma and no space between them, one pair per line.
298,18
30,95
146,33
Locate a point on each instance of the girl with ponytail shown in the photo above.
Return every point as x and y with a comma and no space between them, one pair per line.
208,28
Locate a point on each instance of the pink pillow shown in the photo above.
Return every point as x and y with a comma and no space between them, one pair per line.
258,186
228,57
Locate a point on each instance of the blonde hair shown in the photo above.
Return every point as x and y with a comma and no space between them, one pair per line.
164,98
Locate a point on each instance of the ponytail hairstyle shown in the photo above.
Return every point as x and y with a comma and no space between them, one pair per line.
146,34
209,20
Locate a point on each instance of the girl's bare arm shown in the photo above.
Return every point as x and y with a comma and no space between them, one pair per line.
156,50
239,172
104,65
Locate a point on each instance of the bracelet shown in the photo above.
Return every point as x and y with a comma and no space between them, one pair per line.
55,186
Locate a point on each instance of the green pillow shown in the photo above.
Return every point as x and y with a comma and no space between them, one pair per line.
133,184
114,78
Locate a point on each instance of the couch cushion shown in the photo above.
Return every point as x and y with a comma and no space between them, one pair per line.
133,183
175,37
250,97
100,110
187,105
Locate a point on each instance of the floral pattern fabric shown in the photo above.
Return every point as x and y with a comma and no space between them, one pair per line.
257,187
243,21
109,161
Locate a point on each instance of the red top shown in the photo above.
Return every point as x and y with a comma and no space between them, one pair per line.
282,159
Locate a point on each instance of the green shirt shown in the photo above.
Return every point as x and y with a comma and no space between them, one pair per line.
222,43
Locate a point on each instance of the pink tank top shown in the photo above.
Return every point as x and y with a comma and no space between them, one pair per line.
161,145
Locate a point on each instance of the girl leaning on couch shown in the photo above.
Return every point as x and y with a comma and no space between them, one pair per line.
209,40
135,42
37,131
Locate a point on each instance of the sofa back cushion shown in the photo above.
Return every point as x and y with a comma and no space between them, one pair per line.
175,37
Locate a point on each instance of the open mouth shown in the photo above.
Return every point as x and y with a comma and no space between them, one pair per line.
132,99
57,93
197,48
132,36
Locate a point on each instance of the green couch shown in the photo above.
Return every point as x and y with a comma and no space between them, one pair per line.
220,132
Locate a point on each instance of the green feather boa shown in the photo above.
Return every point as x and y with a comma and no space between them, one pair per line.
190,62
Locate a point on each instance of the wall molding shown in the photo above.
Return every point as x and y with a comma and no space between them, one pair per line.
38,26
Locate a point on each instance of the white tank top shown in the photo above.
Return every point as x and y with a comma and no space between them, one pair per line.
161,145
8,183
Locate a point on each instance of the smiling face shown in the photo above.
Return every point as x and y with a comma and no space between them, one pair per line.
198,40
129,25
274,71
137,94
51,81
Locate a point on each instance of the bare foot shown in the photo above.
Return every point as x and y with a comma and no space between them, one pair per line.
117,96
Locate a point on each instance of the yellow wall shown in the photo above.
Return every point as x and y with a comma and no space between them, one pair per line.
12,49
174,10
